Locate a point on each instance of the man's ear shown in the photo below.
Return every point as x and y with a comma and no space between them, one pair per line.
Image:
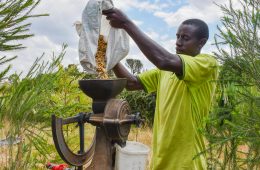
202,42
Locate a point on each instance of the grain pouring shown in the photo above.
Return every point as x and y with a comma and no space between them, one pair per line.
100,58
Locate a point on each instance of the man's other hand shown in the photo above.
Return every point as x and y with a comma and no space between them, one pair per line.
116,17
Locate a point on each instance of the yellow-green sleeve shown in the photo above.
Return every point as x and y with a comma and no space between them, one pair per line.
149,80
198,69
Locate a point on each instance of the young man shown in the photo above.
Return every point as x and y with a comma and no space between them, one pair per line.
184,84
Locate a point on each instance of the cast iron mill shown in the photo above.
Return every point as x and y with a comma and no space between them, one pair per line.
112,118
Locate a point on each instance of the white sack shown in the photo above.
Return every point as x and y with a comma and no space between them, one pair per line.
94,24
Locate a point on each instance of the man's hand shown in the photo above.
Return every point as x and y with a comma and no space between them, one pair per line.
158,55
116,17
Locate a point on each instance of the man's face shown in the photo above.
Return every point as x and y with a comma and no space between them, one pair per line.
187,41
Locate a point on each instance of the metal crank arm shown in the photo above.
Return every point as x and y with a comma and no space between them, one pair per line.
64,151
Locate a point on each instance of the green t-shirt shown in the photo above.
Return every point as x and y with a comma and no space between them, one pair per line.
181,105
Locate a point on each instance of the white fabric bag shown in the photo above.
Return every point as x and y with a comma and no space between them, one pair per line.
94,24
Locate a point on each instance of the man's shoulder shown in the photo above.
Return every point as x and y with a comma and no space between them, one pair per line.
202,55
151,71
208,59
209,56
148,74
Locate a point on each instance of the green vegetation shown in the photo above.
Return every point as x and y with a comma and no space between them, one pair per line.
14,15
140,101
233,130
134,65
27,107
27,103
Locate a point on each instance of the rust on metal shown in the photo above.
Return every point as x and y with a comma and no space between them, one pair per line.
65,153
112,119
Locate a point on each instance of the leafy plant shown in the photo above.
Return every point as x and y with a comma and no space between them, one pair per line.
24,111
14,25
233,128
134,65
13,17
26,103
141,102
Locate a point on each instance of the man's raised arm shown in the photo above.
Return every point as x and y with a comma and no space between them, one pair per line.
159,56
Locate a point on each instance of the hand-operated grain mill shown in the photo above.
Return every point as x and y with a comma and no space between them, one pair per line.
112,120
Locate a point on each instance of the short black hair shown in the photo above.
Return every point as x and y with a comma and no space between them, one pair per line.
203,29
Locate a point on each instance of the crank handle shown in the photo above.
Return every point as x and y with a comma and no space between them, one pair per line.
133,119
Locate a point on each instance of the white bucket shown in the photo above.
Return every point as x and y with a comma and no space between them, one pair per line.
131,157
